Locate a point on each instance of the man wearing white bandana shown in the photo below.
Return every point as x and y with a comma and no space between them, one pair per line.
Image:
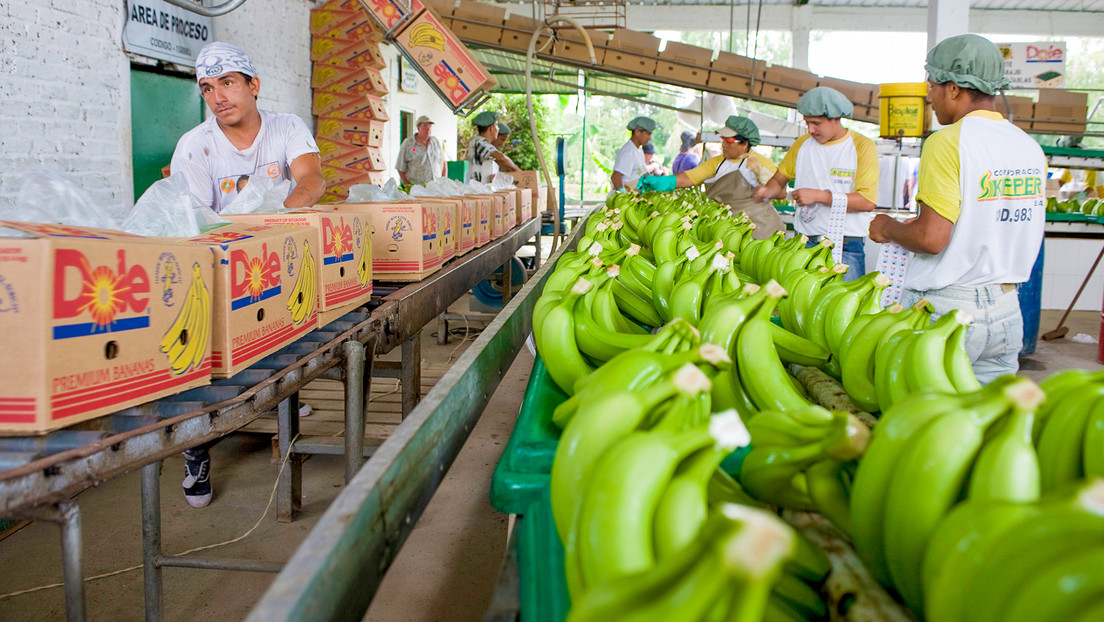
982,205
220,156
239,141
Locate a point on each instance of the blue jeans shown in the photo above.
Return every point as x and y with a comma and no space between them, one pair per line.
854,255
994,340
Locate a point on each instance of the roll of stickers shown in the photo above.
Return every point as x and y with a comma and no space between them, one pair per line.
892,263
836,219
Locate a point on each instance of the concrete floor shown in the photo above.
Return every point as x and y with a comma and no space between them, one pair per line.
445,571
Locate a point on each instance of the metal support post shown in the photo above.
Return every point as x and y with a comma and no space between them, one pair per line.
410,376
71,553
442,329
507,280
354,408
289,489
151,540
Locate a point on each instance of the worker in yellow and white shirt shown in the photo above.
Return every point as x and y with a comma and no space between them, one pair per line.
835,175
982,205
731,178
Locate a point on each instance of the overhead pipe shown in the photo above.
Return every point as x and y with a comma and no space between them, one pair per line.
214,11
547,23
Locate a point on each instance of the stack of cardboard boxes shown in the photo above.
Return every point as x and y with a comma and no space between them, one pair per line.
348,95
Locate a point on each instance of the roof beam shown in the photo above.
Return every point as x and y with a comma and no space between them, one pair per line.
705,17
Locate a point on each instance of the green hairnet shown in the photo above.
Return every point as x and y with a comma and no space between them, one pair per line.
744,128
487,118
503,128
824,101
969,61
641,123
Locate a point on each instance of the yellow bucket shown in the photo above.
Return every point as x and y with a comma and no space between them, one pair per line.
903,109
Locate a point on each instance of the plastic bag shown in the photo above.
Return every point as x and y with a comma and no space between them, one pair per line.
168,208
48,196
370,193
259,195
502,181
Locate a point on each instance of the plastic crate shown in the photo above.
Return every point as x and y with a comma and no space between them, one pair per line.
520,485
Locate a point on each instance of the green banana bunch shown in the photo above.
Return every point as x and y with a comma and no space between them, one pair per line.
1063,450
555,338
822,307
596,426
759,370
988,557
595,341
856,355
639,368
916,360
929,476
893,435
1007,467
785,445
725,573
796,349
806,288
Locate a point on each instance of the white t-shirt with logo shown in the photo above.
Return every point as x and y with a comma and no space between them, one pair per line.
986,176
845,165
216,169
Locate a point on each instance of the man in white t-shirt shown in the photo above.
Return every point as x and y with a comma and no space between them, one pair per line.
629,164
220,156
835,175
484,159
239,142
981,194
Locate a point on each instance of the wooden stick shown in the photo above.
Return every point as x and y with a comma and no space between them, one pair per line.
850,590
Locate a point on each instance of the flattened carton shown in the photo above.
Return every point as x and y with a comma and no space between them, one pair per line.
405,237
93,321
342,249
265,293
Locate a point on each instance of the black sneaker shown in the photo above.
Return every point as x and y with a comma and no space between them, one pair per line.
197,477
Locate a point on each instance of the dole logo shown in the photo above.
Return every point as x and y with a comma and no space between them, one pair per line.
337,240
253,278
102,291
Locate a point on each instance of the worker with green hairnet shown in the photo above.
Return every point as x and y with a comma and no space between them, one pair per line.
982,203
835,175
731,178
629,165
484,159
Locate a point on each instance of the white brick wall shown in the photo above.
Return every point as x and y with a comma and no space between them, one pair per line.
65,88
65,97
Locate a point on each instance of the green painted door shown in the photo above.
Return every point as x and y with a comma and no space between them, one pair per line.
162,108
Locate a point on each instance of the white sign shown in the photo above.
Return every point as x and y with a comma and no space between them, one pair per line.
408,76
1035,65
165,31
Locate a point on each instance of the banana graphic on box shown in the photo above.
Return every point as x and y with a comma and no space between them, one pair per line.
425,35
364,267
303,295
185,343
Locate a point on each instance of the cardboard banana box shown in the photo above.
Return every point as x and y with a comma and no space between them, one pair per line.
94,321
265,291
344,255
462,225
406,243
509,209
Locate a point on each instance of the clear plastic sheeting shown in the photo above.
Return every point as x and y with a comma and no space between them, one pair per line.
168,208
259,195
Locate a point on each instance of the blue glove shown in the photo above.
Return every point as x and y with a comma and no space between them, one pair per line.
656,182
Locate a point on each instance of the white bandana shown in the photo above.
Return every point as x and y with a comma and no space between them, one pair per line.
216,59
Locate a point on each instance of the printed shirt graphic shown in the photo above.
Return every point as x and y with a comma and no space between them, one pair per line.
421,164
987,177
847,165
480,159
216,170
